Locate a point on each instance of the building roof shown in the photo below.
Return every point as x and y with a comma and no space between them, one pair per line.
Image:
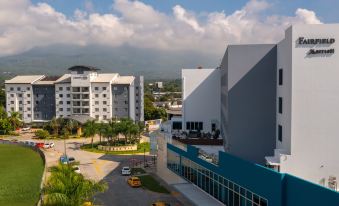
47,80
108,77
124,80
83,68
24,79
66,78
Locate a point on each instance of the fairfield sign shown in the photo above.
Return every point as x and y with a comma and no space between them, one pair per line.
318,41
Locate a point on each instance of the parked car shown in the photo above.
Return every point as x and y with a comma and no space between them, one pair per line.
48,145
134,181
71,160
160,203
64,159
25,129
39,145
126,171
76,169
32,144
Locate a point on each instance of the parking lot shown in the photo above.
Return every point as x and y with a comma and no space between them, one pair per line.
106,167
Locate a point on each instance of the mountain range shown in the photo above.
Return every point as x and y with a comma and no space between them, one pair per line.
126,60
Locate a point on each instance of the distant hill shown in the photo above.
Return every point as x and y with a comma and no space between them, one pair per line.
153,64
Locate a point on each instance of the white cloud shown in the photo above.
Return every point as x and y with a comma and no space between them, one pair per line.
24,25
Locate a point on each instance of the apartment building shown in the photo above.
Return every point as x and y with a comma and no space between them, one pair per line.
82,91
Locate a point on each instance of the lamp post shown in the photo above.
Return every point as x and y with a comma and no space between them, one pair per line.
144,157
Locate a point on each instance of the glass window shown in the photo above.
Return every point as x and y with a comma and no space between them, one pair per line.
280,106
103,88
280,77
280,133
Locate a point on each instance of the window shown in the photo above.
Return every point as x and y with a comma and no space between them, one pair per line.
96,95
61,95
280,106
12,95
20,108
68,88
194,126
61,109
28,88
28,95
97,117
11,88
18,89
104,109
96,88
28,109
19,95
104,95
36,102
68,109
104,117
12,102
60,88
68,95
280,77
29,115
97,109
61,102
103,88
96,102
104,102
20,102
280,133
115,88
28,102
68,102
116,109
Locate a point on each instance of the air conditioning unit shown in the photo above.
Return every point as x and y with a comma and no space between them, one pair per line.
332,183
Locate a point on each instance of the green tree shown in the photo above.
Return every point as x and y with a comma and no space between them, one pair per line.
3,113
2,97
70,125
41,134
67,188
15,120
5,126
90,129
55,124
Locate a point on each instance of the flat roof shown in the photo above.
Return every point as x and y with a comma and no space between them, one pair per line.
124,80
24,79
66,78
108,77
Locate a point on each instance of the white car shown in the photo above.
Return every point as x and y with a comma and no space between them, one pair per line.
76,169
25,129
126,171
48,145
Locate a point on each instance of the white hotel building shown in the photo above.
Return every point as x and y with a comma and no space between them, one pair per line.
81,92
275,104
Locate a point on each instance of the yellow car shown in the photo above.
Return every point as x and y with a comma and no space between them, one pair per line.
134,181
87,204
159,203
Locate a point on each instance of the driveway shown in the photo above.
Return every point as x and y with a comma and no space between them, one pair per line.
98,167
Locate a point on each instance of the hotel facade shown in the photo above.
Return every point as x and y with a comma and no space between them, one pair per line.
81,92
276,106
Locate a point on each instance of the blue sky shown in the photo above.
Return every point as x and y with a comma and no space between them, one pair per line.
326,10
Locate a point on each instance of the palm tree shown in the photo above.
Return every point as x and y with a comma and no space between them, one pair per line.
54,124
90,129
101,129
70,125
15,119
3,113
67,188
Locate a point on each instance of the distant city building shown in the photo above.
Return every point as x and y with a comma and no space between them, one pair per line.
83,91
159,85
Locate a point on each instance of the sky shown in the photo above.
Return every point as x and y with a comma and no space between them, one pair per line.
188,25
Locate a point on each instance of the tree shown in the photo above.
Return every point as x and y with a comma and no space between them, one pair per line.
5,126
3,113
2,97
90,129
67,188
70,125
101,129
41,134
15,120
54,124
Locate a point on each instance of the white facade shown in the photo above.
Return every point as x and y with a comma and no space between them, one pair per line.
309,133
83,91
201,99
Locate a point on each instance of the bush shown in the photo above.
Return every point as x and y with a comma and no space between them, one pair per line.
41,134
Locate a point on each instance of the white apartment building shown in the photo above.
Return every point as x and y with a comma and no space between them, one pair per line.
83,91
275,104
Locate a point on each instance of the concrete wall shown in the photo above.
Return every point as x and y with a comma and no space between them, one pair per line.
63,94
314,103
201,97
120,95
249,108
102,110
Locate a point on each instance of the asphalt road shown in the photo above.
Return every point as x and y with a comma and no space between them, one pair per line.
107,168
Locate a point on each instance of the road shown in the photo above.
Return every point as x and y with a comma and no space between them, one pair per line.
107,168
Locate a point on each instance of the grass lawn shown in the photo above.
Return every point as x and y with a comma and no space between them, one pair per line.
21,171
141,147
148,182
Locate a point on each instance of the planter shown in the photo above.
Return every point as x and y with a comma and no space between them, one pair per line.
118,148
